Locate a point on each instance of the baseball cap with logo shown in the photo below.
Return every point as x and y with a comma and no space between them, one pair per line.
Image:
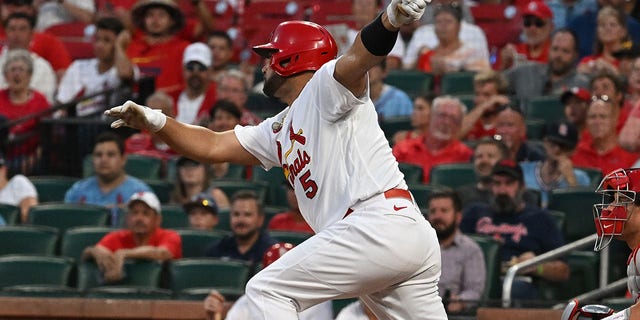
580,93
201,200
198,52
563,133
537,9
508,168
148,198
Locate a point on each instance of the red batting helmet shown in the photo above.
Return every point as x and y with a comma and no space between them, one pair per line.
297,46
275,252
618,189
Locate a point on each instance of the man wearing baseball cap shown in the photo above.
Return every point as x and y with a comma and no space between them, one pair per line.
557,170
524,230
576,101
199,93
537,28
143,239
203,212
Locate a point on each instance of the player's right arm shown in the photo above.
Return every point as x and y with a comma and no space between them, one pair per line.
195,142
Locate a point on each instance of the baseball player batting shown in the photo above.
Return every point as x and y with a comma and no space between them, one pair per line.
371,240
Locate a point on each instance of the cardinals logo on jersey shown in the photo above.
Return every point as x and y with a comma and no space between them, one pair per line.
300,161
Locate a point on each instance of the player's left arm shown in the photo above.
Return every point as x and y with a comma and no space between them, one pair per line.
374,42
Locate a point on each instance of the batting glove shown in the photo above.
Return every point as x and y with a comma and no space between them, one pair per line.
133,115
402,12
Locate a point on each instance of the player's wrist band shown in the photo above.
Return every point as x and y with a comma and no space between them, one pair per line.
377,39
540,269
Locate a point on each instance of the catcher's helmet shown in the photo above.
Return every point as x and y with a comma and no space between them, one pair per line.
618,189
275,252
297,46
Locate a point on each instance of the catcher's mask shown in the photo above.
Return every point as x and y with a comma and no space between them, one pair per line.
618,190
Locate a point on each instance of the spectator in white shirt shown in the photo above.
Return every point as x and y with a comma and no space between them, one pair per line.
108,70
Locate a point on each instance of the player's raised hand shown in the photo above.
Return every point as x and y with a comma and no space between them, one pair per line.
401,12
133,115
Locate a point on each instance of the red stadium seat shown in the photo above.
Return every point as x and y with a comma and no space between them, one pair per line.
70,29
331,12
501,23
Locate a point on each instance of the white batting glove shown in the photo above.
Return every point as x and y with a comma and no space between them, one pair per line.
402,12
133,115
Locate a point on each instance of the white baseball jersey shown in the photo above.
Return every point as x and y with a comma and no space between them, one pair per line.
330,146
633,275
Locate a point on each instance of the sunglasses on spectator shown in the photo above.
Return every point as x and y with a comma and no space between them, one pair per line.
195,66
533,21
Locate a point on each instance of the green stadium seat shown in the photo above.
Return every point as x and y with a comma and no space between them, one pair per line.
546,108
129,292
338,304
274,178
41,291
38,240
292,237
188,274
143,167
52,188
535,128
584,268
138,273
224,220
68,215
457,83
10,214
34,270
453,175
559,218
75,240
230,187
196,242
467,100
173,217
413,82
412,172
491,249
594,174
421,193
235,171
391,126
162,189
577,204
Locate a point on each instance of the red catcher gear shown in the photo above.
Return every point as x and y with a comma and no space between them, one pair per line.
618,189
275,252
297,46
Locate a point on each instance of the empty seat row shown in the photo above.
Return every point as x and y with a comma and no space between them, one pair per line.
33,275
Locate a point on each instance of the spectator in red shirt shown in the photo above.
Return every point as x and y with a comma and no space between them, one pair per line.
611,33
538,25
143,239
156,49
291,220
490,88
45,45
441,144
603,151
18,100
